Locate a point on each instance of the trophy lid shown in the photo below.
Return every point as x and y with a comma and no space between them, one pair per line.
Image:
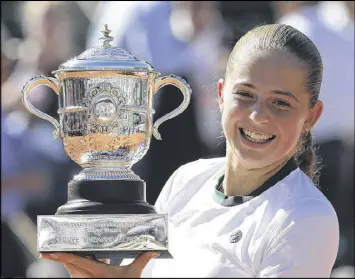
105,58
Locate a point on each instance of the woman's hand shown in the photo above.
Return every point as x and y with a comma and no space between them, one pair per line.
81,267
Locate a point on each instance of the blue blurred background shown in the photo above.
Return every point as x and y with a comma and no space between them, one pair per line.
189,39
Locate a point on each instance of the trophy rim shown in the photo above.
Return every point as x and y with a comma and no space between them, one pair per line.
105,58
78,65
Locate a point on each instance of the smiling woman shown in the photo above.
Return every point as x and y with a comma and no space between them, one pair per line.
256,212
273,77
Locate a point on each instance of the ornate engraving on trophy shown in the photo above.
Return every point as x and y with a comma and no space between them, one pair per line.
76,147
137,94
106,54
104,102
137,119
107,107
104,111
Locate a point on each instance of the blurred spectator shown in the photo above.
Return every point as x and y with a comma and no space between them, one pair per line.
23,178
331,27
35,169
49,40
11,17
285,8
54,31
12,196
241,16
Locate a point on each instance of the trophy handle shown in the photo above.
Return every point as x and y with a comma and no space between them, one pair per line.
26,90
185,89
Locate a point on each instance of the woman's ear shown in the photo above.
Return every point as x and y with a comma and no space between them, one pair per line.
220,85
314,115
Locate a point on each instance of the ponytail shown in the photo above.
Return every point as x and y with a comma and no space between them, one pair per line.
306,157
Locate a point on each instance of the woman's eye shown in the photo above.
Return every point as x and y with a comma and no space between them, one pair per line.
243,94
281,103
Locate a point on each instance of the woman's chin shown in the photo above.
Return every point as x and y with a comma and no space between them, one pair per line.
252,158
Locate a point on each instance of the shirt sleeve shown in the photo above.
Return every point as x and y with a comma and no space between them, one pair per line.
305,244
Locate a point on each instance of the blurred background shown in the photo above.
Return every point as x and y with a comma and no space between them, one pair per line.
189,39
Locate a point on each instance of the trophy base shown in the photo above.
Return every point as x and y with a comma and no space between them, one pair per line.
104,219
110,236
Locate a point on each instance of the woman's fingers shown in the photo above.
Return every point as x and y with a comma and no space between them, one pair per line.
77,272
142,260
80,267
90,265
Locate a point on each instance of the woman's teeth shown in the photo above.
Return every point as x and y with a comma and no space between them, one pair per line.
257,137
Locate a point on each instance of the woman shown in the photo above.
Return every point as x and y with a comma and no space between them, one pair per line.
256,212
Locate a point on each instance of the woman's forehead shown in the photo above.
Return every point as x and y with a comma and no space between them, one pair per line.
246,61
274,69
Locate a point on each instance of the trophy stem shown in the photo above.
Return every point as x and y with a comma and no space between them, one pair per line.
107,173
106,197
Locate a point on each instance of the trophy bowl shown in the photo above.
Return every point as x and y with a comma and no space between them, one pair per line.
106,122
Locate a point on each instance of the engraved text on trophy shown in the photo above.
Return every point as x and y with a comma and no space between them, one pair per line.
135,232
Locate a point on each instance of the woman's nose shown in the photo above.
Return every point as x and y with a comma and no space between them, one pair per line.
259,114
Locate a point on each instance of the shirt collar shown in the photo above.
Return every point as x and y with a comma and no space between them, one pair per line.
224,200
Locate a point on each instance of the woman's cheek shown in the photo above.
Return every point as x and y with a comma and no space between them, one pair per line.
230,117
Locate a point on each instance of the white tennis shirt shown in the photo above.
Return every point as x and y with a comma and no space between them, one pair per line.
286,228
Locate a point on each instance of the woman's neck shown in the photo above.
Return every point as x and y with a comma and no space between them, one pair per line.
241,181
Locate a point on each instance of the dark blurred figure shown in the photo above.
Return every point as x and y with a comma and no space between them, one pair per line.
241,16
330,25
13,263
11,17
286,8
55,31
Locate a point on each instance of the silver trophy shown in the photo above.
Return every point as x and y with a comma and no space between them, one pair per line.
105,121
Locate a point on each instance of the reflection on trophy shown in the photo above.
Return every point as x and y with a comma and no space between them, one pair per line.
105,111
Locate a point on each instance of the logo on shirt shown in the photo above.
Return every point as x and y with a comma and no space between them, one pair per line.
235,236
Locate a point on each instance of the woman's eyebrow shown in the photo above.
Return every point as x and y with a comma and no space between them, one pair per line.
279,92
286,93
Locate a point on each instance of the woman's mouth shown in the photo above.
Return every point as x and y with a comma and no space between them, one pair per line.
256,137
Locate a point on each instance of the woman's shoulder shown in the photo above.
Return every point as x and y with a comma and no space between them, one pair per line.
304,232
197,172
305,201
301,190
296,200
188,178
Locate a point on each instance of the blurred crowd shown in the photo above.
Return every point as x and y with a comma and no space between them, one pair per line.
191,39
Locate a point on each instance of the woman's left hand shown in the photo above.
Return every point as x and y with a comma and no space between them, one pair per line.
82,267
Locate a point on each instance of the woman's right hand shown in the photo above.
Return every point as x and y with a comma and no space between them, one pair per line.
81,267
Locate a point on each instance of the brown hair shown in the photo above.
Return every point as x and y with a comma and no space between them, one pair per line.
290,40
